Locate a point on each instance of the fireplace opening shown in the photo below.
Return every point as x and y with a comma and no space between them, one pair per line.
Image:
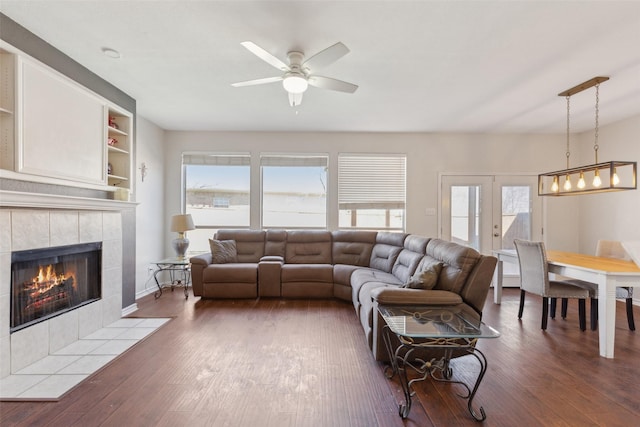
50,281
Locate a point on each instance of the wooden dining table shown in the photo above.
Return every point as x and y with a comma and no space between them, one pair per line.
607,273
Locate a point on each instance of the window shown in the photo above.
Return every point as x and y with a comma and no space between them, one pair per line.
294,191
216,194
372,191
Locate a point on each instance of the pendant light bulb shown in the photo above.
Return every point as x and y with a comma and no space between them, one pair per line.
567,183
555,187
616,179
597,182
581,183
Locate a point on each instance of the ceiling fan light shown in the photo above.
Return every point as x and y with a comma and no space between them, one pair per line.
295,84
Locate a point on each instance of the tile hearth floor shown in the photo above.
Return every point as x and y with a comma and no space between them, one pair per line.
51,377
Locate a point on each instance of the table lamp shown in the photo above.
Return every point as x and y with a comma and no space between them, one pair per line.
181,224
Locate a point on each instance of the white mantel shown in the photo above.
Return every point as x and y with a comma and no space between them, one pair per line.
17,199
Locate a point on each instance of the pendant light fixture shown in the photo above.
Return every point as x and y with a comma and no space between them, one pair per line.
606,177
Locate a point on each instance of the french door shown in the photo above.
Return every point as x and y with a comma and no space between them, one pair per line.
487,212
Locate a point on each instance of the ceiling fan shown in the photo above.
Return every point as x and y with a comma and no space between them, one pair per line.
298,74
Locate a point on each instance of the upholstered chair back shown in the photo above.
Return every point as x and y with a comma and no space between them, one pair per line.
534,273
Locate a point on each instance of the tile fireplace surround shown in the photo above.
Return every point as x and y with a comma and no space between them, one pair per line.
30,221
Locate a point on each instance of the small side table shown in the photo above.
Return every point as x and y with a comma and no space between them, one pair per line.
179,271
432,327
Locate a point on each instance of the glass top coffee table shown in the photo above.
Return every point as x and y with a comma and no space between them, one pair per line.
411,332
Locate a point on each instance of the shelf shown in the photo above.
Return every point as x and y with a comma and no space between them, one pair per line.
120,178
116,131
117,150
118,160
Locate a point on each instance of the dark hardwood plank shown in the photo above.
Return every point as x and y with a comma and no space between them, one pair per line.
297,363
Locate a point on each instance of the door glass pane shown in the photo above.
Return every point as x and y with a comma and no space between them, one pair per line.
465,215
516,219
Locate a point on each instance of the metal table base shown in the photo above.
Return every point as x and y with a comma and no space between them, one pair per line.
179,273
402,361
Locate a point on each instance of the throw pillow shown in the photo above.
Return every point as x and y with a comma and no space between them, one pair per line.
223,251
426,277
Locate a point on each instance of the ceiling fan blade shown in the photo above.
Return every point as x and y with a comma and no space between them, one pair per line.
326,57
295,99
333,84
257,81
265,56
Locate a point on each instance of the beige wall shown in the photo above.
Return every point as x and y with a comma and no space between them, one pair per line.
151,232
571,223
428,155
611,216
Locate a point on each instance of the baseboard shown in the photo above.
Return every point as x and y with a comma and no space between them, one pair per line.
130,309
146,292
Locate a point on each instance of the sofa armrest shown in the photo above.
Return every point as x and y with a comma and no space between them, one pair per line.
406,296
198,264
202,259
272,258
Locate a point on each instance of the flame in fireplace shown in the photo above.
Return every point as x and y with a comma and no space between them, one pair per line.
47,279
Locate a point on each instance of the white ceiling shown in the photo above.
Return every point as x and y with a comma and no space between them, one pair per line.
422,66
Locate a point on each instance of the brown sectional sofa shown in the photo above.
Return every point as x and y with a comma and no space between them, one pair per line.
365,267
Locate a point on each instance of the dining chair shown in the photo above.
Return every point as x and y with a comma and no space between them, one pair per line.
534,279
614,249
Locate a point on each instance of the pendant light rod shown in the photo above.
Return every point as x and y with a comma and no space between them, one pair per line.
583,86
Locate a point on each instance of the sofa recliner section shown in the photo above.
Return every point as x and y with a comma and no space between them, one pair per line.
367,268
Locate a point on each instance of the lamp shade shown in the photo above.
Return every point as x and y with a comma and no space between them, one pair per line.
182,223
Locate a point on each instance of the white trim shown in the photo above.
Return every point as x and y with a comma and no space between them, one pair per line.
52,201
130,309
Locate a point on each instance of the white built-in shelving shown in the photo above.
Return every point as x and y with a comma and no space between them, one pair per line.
118,148
53,128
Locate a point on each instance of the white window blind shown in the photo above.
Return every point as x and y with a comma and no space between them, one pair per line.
293,160
372,181
212,159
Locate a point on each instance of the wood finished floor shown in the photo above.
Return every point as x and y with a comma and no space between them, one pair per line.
305,363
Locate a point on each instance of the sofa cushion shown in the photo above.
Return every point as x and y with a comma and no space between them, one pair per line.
406,264
223,251
362,276
416,243
383,257
458,260
249,243
352,247
231,273
342,274
426,276
276,241
308,247
390,238
307,273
